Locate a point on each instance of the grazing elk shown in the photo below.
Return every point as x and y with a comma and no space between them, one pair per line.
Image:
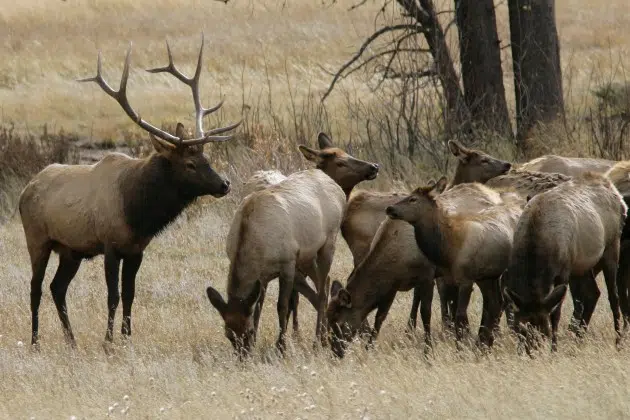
564,233
471,247
116,206
394,263
284,230
567,165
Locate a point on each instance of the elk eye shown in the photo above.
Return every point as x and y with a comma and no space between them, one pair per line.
341,163
191,166
413,199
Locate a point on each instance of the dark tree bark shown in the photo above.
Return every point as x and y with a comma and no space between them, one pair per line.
536,63
480,57
423,12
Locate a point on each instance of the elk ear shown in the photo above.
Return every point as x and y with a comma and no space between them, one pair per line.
513,298
342,295
438,188
216,300
309,154
180,131
431,183
324,141
335,287
161,146
344,298
254,295
554,298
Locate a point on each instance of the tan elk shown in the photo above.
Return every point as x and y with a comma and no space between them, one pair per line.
564,233
366,209
588,291
471,247
282,231
393,264
567,165
116,206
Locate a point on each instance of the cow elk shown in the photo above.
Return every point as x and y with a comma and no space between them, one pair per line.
569,166
116,206
564,234
470,247
283,230
393,264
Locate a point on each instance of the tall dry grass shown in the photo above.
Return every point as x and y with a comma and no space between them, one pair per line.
265,58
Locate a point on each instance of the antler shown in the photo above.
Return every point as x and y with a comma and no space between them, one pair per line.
200,111
121,97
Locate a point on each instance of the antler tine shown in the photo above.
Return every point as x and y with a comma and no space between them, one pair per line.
210,136
221,130
121,97
170,68
207,111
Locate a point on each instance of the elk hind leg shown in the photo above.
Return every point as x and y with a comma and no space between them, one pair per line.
322,268
609,263
284,296
68,267
39,261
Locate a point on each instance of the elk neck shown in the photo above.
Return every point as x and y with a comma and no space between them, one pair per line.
151,197
431,236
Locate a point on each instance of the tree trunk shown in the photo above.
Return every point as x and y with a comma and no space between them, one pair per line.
423,12
536,63
480,57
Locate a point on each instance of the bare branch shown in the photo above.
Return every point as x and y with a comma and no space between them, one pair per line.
356,6
364,46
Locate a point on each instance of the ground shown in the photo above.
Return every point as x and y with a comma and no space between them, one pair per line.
178,363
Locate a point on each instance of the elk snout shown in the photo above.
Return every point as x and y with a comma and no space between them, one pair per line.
373,171
507,166
223,189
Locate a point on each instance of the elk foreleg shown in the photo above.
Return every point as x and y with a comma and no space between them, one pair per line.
131,265
112,267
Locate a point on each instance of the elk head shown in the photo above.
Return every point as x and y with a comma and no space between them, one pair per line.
238,315
476,166
346,170
343,322
532,317
181,157
418,204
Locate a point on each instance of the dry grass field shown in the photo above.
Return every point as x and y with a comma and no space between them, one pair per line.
178,363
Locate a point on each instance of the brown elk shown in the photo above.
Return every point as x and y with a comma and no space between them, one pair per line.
366,211
284,230
564,234
116,206
470,247
394,263
567,165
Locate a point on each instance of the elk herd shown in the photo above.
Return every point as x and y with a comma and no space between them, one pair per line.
523,235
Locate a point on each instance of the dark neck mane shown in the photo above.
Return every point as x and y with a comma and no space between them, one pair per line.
459,176
151,198
430,238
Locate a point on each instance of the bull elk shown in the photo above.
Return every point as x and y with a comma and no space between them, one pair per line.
287,231
116,206
563,234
